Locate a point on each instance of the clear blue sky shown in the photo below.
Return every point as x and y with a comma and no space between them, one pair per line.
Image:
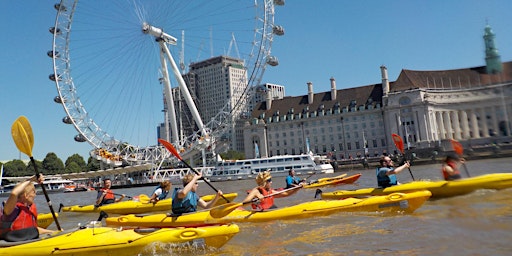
347,40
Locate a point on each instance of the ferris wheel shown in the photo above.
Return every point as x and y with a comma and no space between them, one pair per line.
118,81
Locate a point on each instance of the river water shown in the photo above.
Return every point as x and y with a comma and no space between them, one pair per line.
479,223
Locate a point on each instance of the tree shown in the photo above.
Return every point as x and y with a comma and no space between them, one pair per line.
233,155
79,165
93,164
31,171
52,164
73,167
15,168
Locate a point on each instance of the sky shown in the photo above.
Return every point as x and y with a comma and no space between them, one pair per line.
346,40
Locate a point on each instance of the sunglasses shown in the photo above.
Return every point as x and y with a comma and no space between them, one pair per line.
269,180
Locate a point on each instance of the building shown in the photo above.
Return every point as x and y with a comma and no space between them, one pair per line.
426,108
342,123
220,84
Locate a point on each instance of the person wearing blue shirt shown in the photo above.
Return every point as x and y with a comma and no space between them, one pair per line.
186,200
291,180
161,191
386,173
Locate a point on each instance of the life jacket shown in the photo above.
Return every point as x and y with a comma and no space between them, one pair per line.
385,181
162,195
108,198
290,181
456,172
24,225
265,203
184,205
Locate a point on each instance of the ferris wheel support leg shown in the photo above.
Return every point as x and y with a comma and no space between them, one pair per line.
168,95
186,93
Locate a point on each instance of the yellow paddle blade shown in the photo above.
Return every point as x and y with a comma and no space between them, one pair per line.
23,138
28,129
225,209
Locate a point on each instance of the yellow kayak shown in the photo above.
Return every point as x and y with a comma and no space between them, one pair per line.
99,241
439,189
394,203
141,206
45,219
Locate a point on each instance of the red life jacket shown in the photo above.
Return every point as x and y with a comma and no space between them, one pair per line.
109,195
265,203
26,218
456,171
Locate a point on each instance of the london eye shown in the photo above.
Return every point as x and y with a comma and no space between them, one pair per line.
117,66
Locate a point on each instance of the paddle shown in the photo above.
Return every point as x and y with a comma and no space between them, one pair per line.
225,209
173,150
24,139
129,197
460,151
400,146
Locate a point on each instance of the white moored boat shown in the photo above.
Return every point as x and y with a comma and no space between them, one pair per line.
278,165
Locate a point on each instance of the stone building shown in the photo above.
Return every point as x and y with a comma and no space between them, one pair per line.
426,108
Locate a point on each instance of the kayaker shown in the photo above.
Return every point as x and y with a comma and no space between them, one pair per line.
106,195
264,192
161,191
450,168
186,199
292,180
386,173
18,220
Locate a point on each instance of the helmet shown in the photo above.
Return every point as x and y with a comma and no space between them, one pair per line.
262,177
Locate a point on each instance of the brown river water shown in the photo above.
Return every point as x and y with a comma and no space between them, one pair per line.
479,223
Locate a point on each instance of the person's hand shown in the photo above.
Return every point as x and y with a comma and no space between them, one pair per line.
407,164
219,192
462,160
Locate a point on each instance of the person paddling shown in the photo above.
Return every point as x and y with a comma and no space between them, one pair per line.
263,192
161,191
106,195
292,180
18,218
386,173
450,168
186,200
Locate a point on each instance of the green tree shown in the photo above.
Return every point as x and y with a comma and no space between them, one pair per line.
52,164
233,155
15,168
93,164
31,171
78,166
73,167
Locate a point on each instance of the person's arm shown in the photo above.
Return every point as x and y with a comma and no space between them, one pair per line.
255,193
44,230
211,203
448,169
10,204
120,198
183,193
154,197
399,169
289,181
101,195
